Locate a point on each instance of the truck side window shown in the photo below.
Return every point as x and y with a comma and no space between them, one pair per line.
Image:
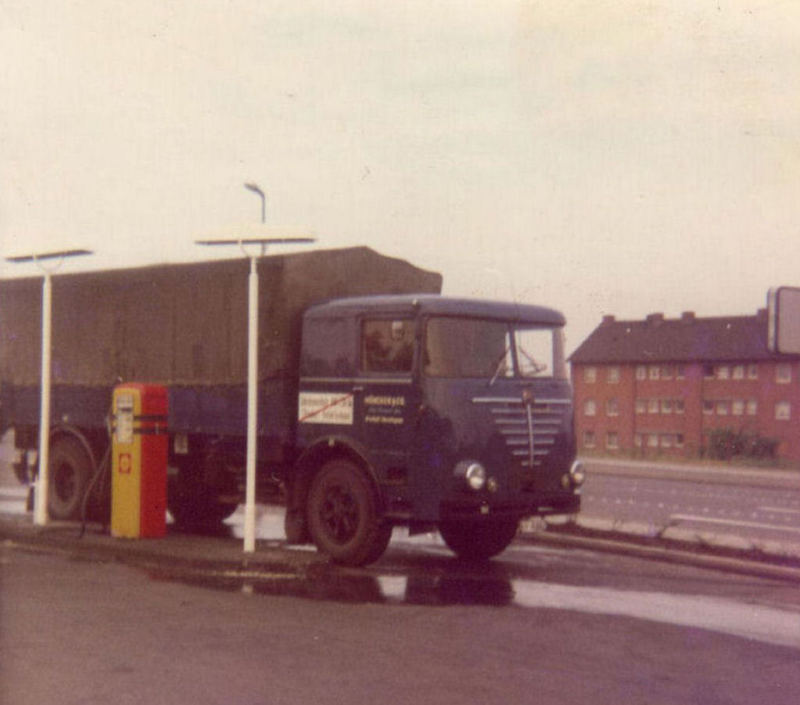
328,348
387,345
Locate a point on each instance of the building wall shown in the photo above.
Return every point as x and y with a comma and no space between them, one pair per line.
670,409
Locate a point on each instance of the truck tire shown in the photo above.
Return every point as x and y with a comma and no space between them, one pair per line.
69,473
343,515
478,541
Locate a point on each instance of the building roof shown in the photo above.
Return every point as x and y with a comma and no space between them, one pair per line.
684,339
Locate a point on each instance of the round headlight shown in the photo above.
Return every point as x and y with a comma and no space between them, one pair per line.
577,473
475,476
472,473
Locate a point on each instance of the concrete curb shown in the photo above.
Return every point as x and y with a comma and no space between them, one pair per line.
700,559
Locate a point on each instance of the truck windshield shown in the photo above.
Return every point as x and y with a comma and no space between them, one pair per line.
465,347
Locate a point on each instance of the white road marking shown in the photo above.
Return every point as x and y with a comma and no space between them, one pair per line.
730,522
778,510
765,624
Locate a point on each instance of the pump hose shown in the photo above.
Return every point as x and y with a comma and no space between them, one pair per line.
99,474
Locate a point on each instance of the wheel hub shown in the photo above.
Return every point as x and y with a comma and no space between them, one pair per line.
339,513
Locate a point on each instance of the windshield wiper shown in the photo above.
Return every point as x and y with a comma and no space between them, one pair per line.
537,366
500,365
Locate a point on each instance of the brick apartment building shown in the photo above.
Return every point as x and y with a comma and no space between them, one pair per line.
686,387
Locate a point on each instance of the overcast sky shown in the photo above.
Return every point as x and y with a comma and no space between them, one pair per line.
600,156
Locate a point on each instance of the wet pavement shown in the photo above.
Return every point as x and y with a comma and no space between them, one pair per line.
647,607
420,571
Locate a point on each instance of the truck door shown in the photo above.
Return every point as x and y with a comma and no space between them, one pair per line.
386,398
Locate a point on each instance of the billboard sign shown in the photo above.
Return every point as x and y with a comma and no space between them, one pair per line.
783,328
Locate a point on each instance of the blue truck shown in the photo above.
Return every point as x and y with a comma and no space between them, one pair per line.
381,402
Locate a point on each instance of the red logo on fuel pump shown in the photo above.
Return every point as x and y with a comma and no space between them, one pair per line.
124,463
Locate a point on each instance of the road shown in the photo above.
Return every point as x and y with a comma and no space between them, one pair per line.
537,626
541,624
759,507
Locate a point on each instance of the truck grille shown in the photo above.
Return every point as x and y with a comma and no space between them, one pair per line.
530,427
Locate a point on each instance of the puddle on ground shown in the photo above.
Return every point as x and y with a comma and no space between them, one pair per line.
490,586
326,582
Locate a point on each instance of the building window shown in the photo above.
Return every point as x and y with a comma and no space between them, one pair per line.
680,372
783,373
637,440
612,407
752,407
737,407
666,372
679,440
679,406
752,372
783,411
641,372
652,406
738,372
708,407
652,440
612,375
590,375
589,407
666,406
666,440
612,440
708,370
653,372
588,439
722,408
641,406
722,372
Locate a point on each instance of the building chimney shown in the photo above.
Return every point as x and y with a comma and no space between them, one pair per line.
655,319
687,317
761,314
608,319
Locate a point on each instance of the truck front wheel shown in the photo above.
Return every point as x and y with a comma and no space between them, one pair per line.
343,515
69,473
478,540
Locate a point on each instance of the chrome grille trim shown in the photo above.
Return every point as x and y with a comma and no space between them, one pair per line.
528,428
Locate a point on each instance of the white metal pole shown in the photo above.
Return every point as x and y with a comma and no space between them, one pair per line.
40,503
252,364
252,409
40,500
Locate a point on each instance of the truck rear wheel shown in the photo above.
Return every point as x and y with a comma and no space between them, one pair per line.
478,540
343,515
69,472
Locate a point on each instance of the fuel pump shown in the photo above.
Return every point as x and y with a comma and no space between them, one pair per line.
139,448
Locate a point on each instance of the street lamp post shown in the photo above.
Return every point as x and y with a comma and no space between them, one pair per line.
40,495
252,371
252,360
255,188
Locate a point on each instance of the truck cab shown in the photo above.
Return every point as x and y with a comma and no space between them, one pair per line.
428,411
